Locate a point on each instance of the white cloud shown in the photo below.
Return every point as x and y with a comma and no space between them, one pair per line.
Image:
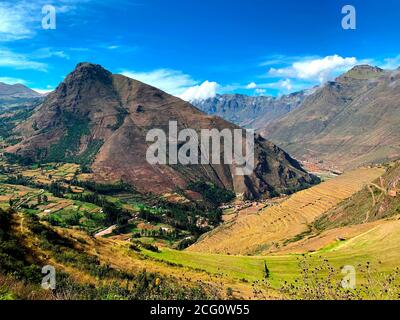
113,47
15,21
200,92
43,91
321,69
20,19
286,84
15,60
44,53
9,80
176,83
251,85
171,81
391,63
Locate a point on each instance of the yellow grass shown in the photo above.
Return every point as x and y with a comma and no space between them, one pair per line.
265,231
377,243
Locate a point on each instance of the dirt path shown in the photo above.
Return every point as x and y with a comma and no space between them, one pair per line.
105,232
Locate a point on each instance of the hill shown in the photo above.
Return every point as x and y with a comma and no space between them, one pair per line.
269,229
101,120
347,122
378,200
16,94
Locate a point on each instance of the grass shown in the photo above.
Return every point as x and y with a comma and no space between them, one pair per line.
268,230
379,246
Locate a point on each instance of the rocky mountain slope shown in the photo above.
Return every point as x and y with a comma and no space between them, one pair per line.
101,119
250,112
348,122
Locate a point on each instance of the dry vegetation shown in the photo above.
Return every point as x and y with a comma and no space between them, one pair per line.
268,230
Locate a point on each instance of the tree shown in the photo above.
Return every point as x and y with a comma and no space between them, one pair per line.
266,270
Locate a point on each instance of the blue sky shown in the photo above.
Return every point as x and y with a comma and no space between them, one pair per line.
196,48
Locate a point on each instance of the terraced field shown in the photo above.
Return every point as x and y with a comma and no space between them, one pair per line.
377,244
266,231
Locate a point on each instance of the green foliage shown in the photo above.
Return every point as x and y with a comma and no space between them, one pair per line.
137,244
8,123
103,188
211,192
13,256
123,285
114,214
121,115
87,157
266,270
67,148
17,159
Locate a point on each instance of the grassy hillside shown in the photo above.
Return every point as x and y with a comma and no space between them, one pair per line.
276,225
374,253
378,199
108,243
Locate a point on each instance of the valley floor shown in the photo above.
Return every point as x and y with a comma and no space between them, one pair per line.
293,247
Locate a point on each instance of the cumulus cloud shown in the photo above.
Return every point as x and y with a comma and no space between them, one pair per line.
286,84
171,81
320,69
251,85
200,92
176,83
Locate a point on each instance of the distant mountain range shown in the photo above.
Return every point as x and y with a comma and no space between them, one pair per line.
248,111
346,123
101,120
343,124
16,93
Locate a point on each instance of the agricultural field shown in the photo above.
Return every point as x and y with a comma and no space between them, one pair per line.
64,195
258,251
373,250
269,229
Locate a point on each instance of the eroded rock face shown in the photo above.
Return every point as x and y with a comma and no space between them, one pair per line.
102,119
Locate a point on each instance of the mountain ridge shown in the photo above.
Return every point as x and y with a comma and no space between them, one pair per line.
95,115
250,111
349,122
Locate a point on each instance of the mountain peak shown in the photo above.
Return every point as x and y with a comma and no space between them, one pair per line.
362,72
17,91
89,71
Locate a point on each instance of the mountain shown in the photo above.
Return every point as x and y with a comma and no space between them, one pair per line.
101,120
250,112
16,93
379,199
348,122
